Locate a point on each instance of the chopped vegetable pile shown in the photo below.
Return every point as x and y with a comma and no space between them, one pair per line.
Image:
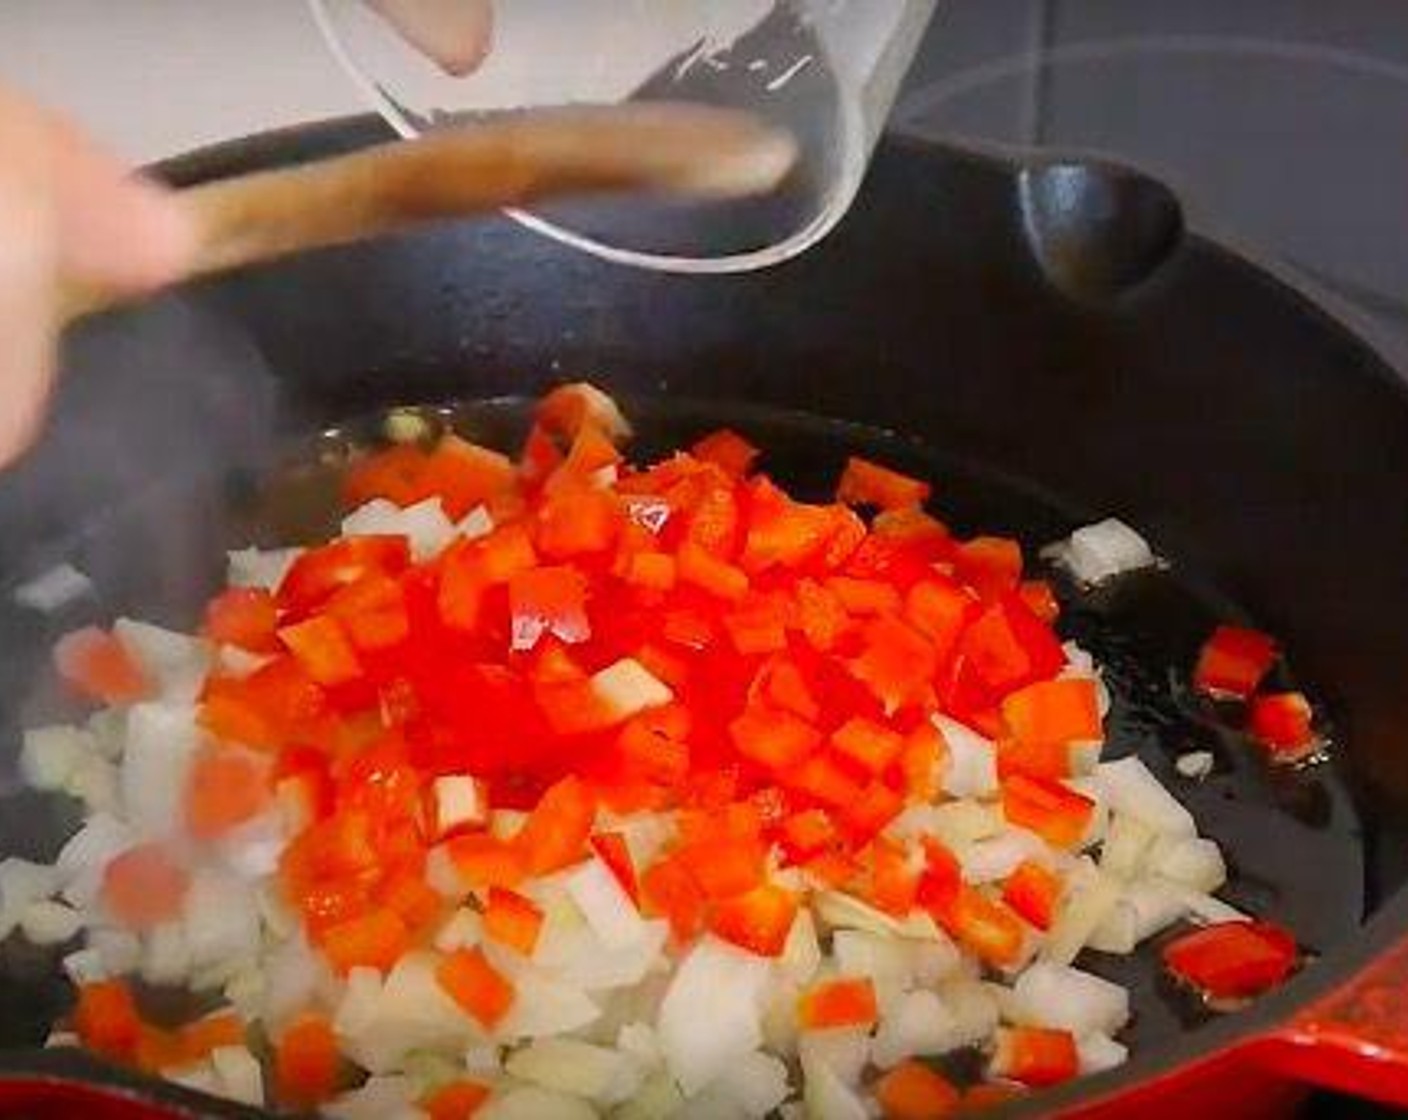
557,787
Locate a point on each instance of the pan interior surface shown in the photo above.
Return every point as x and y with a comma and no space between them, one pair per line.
1292,837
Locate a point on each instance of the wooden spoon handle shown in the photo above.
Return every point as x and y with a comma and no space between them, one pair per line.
687,150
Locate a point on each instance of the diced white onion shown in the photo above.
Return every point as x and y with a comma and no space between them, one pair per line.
161,739
476,523
82,859
221,919
1095,553
1194,861
628,687
996,857
827,1097
532,1102
166,957
1087,904
47,922
462,930
1205,908
567,1065
843,1050
458,802
1144,908
918,1023
1052,995
605,904
177,661
710,1015
543,1006
972,760
255,567
239,1074
378,1098
1098,1052
54,589
1127,842
1129,787
1195,765
49,755
424,525
801,954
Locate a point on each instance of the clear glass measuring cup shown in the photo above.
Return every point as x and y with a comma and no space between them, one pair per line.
825,69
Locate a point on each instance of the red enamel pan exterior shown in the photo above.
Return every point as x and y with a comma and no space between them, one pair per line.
1056,324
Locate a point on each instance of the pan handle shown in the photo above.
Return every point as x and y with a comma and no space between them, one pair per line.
1354,1038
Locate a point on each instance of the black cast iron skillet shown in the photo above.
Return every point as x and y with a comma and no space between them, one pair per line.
1049,344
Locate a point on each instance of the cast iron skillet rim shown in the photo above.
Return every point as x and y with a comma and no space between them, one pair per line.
292,144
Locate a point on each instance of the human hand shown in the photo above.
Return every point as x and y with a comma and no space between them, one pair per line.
454,34
67,211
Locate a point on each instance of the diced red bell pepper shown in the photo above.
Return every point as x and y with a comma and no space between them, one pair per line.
457,1100
758,624
106,1019
941,880
318,572
1284,724
476,985
724,867
144,886
322,647
727,450
776,740
824,780
376,939
574,707
867,483
758,921
482,860
655,571
802,835
1007,647
1059,711
650,756
512,920
1033,891
464,475
669,891
870,746
987,929
781,685
833,870
395,473
612,850
101,667
226,788
1055,812
548,600
1233,662
919,761
991,566
591,450
1040,599
843,1002
699,568
245,617
867,814
894,886
373,613
1035,1056
940,610
715,522
846,534
783,533
1233,960
306,1062
539,458
913,1091
556,831
821,616
407,895
865,596
577,521
897,663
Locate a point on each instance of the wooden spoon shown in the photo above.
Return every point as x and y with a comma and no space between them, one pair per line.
693,151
